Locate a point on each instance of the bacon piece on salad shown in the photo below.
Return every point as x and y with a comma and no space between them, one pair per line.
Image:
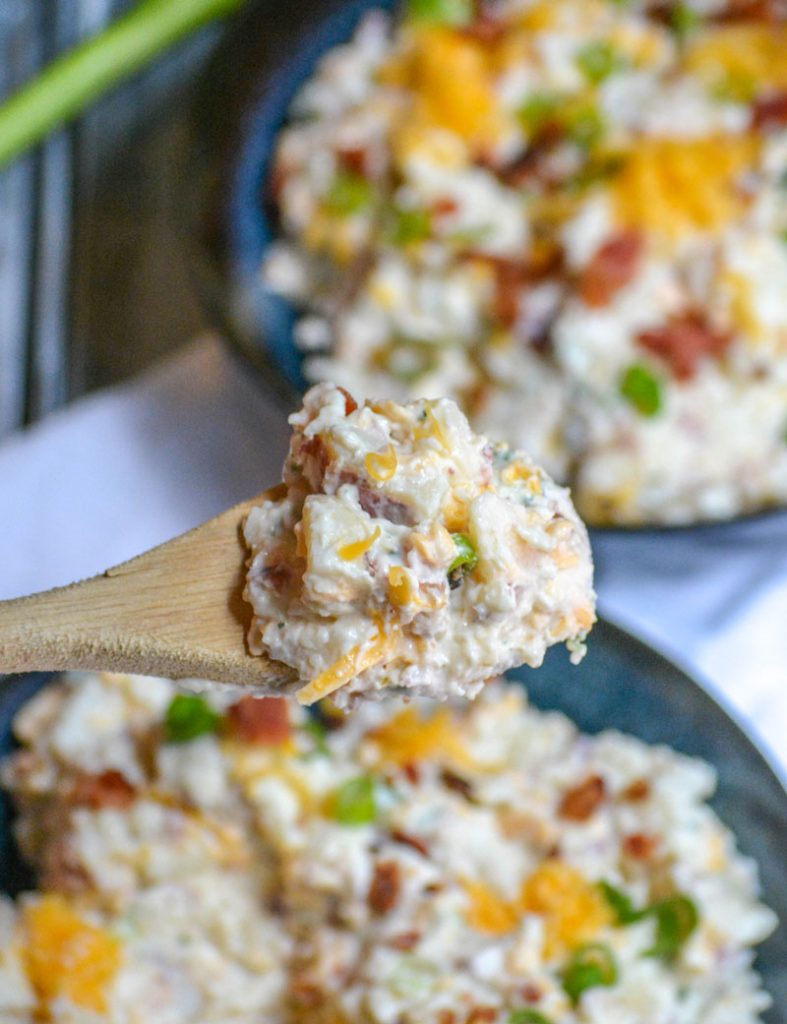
612,267
684,341
419,557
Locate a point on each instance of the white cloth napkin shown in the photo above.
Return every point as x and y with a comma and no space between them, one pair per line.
122,470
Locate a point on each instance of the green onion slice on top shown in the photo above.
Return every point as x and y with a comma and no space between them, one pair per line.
621,904
591,966
442,12
355,801
189,716
598,60
349,194
642,389
528,1017
409,226
466,558
676,920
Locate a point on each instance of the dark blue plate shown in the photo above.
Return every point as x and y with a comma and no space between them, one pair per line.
621,684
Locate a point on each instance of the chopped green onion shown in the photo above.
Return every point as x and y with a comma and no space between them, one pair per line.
586,127
189,716
537,110
355,802
598,60
349,193
444,12
591,966
71,82
528,1017
684,19
466,558
621,905
409,226
641,389
676,919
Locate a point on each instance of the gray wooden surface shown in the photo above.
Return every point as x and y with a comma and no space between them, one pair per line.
93,284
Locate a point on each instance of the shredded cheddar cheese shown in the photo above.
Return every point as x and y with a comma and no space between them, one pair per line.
676,187
574,910
411,736
521,471
381,466
750,53
351,664
488,912
442,58
349,552
67,957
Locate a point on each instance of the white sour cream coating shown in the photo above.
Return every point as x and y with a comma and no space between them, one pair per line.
353,578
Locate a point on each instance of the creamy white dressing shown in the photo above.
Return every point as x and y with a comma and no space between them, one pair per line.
353,576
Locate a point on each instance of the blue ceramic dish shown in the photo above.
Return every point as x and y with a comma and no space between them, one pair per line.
621,684
240,109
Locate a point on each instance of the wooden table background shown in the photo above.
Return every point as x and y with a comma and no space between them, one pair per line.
93,280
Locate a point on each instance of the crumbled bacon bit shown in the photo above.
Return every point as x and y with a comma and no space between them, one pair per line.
751,10
531,993
385,887
638,790
380,506
684,341
482,1014
533,165
354,159
412,772
306,994
277,577
405,941
408,840
770,111
446,1017
456,783
444,206
580,803
263,720
640,846
510,279
612,267
485,29
110,789
315,460
350,405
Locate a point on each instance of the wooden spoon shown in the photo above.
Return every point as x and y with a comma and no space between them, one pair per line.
175,611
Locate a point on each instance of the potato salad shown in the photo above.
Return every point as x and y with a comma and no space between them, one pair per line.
568,215
406,552
208,860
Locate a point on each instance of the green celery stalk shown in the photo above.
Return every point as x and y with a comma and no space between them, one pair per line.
77,78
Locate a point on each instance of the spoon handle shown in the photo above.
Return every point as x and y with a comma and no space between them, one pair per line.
176,611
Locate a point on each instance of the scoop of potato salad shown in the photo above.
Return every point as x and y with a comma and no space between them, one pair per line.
407,552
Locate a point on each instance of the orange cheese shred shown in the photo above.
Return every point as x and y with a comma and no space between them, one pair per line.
67,957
